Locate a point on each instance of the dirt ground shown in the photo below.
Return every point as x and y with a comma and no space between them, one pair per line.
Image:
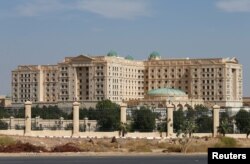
126,145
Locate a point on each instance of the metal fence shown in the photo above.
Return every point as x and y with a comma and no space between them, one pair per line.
203,120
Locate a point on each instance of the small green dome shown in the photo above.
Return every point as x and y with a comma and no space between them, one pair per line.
166,92
112,53
129,57
154,55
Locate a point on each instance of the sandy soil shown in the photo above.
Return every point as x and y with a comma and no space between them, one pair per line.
123,147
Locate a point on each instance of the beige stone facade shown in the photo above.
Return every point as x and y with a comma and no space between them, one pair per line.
159,101
246,101
216,81
5,101
89,79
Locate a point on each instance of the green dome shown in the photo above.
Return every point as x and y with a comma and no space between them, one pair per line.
154,55
129,57
166,92
112,53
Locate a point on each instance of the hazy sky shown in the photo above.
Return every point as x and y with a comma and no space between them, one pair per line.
45,31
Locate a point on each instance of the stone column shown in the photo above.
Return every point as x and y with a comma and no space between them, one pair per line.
27,118
85,123
216,119
37,122
123,113
170,109
12,122
76,118
61,123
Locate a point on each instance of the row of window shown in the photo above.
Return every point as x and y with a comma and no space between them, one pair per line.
210,69
51,74
166,76
166,70
159,82
64,68
126,69
211,99
83,68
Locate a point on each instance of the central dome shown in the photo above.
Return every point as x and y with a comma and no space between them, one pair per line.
112,53
154,56
166,92
129,57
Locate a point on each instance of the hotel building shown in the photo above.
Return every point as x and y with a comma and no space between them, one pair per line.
89,79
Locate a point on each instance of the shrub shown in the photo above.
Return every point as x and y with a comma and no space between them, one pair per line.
5,141
197,148
162,145
69,126
19,127
140,148
22,147
173,149
226,142
3,125
69,147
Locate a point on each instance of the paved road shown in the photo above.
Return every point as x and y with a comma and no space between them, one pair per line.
202,159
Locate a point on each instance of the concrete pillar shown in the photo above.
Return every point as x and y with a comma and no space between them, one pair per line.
76,118
12,122
123,113
37,122
61,123
216,119
85,123
27,118
170,109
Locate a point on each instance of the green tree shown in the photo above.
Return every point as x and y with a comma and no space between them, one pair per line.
83,113
162,127
143,120
190,113
93,114
90,113
3,125
188,128
225,116
178,119
50,112
20,113
242,119
204,124
4,113
109,113
203,120
124,128
225,127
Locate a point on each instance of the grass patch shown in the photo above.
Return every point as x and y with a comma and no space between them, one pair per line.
197,148
6,141
226,142
174,149
99,146
162,145
140,148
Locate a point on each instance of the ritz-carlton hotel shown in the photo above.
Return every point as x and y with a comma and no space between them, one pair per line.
155,81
